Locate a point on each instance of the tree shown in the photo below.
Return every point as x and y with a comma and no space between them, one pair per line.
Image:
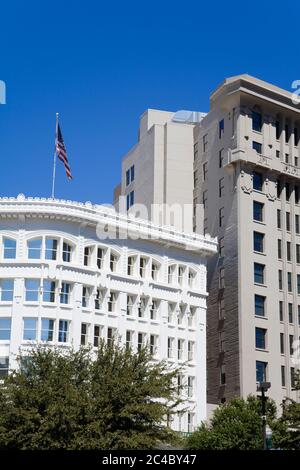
236,425
111,399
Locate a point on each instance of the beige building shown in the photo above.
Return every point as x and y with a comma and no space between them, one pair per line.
246,172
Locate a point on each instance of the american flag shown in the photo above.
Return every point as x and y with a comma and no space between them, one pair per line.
62,152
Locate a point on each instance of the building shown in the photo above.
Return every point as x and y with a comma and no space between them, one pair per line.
70,274
246,176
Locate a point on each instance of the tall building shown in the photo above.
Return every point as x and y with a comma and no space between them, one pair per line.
66,278
246,173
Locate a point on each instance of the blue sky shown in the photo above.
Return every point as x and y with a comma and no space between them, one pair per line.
101,64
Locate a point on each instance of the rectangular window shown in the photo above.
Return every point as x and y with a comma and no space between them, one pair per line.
6,290
282,376
171,310
290,310
65,293
180,344
49,291
204,199
278,218
63,331
100,258
296,136
47,330
297,253
191,350
291,341
190,420
87,256
127,177
293,376
259,301
129,200
113,262
29,329
129,339
280,310
9,248
51,249
205,171
286,157
84,334
170,348
261,371
221,128
99,299
154,309
278,130
297,224
256,121
195,179
97,335
130,265
281,343
130,304
111,333
259,270
86,296
298,315
289,281
154,271
298,284
181,271
288,251
287,133
260,338
221,158
280,281
257,181
258,208
277,153
195,151
4,366
222,375
141,339
153,344
34,248
143,264
278,188
279,249
5,328
221,217
257,147
67,252
112,302
221,187
258,242
287,191
32,287
296,188
130,175
205,143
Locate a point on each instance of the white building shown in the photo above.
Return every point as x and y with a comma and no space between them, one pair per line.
63,283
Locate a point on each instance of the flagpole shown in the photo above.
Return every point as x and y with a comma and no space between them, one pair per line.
54,161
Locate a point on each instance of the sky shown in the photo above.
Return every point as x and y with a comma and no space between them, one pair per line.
102,64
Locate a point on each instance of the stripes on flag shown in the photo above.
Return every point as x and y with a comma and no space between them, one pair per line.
62,152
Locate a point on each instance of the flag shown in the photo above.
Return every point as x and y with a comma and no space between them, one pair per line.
62,152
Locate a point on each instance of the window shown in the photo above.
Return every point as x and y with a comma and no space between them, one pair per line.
129,200
282,376
5,328
86,296
47,330
288,251
278,218
32,287
51,249
258,242
298,315
130,304
181,313
4,366
205,171
280,310
291,341
277,153
289,281
287,133
288,221
278,189
99,299
9,248
130,265
65,293
222,278
293,376
171,310
205,143
170,348
192,317
127,177
113,262
222,375
259,301
141,339
130,175
221,217
279,248
278,130
280,280
260,338
258,208
112,302
143,264
171,270
141,307
221,187
63,331
181,270
87,256
111,332
34,248
204,200
29,329
129,339
191,278
296,190
196,151
256,121
261,371
195,178
190,386
257,181
259,270
287,191
100,258
298,284
67,252
257,147
180,349
290,310
286,157
296,136
97,335
154,271
84,334
221,128
153,345
297,224
6,290
49,291
154,309
191,348
221,158
281,343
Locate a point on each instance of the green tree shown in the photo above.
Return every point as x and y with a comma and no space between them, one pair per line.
111,399
236,425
